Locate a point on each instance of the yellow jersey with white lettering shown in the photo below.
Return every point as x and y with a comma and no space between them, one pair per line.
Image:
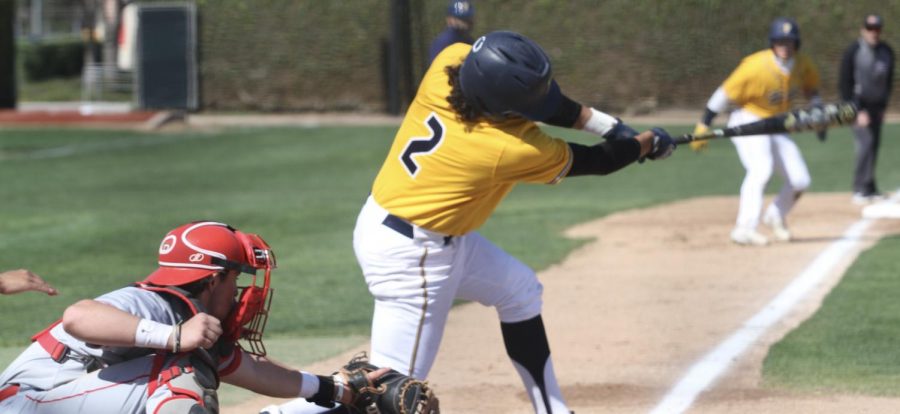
448,176
759,85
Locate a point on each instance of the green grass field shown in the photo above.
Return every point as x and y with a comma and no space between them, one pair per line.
850,344
86,209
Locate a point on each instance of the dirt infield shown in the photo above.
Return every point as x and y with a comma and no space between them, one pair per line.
74,118
627,315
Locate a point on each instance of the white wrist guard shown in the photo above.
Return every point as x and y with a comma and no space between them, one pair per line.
599,123
309,385
338,387
152,334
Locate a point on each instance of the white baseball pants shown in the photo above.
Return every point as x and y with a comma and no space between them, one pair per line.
761,155
415,281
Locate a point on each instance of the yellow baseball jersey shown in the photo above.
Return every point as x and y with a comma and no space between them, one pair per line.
759,86
447,176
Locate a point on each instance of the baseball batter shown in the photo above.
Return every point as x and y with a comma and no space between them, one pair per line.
468,137
766,83
161,345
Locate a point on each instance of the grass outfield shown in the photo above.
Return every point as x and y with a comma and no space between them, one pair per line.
86,209
850,344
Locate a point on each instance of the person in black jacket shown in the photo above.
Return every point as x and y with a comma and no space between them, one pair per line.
460,20
866,78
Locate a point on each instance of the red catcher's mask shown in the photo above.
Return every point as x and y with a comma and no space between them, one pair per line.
248,317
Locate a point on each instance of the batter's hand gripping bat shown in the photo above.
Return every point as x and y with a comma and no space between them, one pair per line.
811,119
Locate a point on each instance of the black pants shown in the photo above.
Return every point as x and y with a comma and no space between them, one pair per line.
868,139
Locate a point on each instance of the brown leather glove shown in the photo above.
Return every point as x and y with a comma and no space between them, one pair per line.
391,393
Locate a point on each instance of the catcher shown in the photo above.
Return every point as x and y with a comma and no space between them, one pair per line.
162,345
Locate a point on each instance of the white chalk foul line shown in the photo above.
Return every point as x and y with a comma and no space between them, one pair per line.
704,372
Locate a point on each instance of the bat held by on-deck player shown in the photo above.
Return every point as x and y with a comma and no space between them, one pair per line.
810,119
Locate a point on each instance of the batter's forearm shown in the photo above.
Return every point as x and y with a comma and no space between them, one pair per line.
605,157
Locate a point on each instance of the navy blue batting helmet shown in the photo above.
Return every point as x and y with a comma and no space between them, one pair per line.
507,73
461,9
784,28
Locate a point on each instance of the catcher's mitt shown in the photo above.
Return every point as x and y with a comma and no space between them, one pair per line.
392,393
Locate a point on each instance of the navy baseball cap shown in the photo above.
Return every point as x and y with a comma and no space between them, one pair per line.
873,21
461,9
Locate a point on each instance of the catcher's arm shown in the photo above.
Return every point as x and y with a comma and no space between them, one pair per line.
268,377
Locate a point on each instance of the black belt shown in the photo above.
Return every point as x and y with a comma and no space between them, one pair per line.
403,227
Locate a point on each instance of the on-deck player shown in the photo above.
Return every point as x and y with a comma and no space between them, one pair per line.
468,137
161,345
766,83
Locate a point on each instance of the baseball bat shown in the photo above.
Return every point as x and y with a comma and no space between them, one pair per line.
809,119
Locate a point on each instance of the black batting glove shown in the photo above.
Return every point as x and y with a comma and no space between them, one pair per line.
620,131
663,145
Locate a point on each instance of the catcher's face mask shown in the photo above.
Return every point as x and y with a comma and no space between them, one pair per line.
248,317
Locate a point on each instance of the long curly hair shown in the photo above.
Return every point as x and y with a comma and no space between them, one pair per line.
465,111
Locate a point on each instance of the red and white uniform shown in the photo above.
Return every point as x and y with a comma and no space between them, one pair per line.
91,379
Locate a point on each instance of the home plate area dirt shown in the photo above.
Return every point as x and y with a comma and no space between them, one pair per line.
628,314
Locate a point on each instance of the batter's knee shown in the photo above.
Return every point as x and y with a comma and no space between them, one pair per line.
524,300
800,184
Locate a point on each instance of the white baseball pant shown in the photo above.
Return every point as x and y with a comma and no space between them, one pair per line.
761,155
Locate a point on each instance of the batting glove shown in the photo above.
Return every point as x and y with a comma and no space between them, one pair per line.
663,145
620,131
700,146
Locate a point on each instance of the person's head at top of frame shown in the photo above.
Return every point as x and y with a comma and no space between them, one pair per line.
505,75
784,37
871,29
461,15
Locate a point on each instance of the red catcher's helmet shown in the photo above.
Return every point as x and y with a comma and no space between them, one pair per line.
201,249
198,250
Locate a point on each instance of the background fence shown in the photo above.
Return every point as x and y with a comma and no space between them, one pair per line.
621,55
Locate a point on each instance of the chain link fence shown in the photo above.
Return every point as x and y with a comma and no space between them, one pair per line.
620,55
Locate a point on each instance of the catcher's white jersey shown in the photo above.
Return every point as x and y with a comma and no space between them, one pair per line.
118,379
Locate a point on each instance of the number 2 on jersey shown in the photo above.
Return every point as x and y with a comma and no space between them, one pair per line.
421,145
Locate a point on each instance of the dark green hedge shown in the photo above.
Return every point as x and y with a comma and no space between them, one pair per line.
621,55
57,58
